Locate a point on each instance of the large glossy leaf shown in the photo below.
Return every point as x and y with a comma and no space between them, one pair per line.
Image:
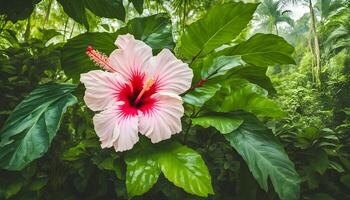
241,95
103,8
186,169
17,10
220,25
180,165
142,172
154,30
265,158
29,130
263,50
223,122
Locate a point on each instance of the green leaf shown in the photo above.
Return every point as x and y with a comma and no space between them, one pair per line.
29,130
186,169
138,5
265,158
74,59
256,75
103,8
200,95
154,30
345,179
220,25
223,122
142,172
13,188
263,50
319,161
180,165
220,66
240,95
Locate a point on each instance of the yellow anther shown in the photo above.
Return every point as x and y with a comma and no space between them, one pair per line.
148,84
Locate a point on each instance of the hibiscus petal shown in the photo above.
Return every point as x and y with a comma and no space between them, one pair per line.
116,129
101,89
170,73
131,56
164,119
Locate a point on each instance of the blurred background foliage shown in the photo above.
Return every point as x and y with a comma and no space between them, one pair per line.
315,94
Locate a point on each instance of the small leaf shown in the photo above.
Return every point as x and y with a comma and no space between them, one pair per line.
223,122
29,130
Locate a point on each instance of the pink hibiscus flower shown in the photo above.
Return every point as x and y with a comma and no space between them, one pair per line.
138,92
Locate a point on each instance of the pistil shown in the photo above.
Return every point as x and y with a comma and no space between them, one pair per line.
100,59
148,84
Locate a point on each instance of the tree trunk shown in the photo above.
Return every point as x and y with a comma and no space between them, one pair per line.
316,44
312,52
48,13
27,31
276,29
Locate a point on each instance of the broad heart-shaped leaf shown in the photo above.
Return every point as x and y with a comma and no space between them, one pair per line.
142,171
263,50
223,122
219,26
29,130
103,8
265,158
186,169
237,95
154,30
180,165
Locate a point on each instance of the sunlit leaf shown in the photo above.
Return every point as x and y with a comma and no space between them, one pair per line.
263,50
223,122
220,25
186,169
142,172
240,95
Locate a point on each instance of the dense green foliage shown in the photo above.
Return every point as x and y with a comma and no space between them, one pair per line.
267,115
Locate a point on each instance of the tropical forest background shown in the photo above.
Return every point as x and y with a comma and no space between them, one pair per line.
295,86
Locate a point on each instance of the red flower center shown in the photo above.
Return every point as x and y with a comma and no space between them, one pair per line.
137,96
